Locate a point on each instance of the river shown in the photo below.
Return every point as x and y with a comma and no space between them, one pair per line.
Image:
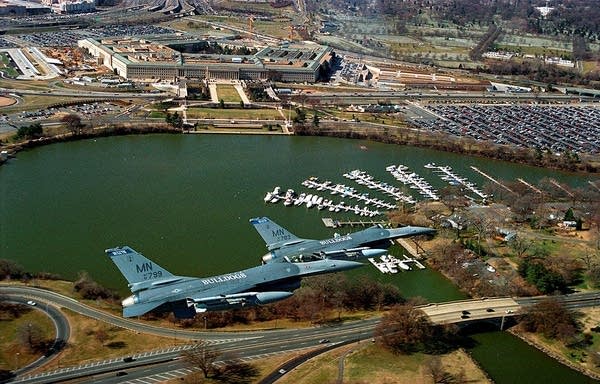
185,201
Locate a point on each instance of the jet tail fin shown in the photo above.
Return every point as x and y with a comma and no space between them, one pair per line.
272,233
135,267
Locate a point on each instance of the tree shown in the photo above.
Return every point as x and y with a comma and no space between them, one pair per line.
202,356
316,119
101,336
551,318
30,131
73,123
300,116
221,103
520,245
31,336
175,120
404,329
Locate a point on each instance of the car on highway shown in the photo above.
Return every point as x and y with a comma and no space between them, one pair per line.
464,316
323,341
466,312
31,302
282,371
489,310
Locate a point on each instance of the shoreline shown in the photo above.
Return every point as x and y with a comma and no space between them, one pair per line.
422,140
553,354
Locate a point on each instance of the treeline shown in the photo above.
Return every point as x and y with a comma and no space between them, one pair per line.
320,299
444,142
541,72
11,270
91,290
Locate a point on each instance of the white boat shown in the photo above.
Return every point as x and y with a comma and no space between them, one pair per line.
268,197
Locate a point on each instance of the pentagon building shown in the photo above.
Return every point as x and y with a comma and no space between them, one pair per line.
139,59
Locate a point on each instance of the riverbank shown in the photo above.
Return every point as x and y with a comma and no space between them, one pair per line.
400,135
365,131
533,340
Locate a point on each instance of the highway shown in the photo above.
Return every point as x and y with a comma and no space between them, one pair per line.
253,345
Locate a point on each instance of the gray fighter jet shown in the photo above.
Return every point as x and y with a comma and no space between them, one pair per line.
371,242
156,289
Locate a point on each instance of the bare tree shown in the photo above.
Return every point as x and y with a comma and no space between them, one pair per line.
73,123
31,336
202,356
520,245
404,329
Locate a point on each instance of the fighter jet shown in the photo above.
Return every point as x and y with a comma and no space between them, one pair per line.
156,289
371,242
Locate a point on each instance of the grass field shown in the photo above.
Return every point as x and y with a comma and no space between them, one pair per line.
369,363
228,93
12,353
5,66
234,113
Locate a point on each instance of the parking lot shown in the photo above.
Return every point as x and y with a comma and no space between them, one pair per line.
557,128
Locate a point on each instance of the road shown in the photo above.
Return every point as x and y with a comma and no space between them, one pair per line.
251,345
61,326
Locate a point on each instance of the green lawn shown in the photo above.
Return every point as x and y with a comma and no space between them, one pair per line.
228,93
6,67
238,113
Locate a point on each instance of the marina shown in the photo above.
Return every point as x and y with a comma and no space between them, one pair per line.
363,178
345,191
332,223
447,174
413,181
291,198
390,264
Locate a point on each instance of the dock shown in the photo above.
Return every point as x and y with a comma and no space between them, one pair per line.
593,185
413,181
453,178
363,178
557,185
332,223
491,178
529,185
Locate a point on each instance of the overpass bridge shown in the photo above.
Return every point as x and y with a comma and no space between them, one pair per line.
464,311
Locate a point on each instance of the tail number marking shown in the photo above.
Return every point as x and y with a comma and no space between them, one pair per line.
146,269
